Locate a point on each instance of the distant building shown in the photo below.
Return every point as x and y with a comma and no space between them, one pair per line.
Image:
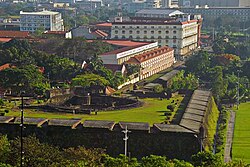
214,3
181,33
89,5
153,61
159,13
122,55
88,33
137,5
236,12
45,20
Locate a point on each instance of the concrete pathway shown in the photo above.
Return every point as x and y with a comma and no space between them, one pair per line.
229,140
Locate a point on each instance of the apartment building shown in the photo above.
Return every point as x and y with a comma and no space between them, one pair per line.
237,12
153,61
215,3
182,34
47,20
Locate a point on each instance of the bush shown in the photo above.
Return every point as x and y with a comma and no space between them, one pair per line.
158,89
171,107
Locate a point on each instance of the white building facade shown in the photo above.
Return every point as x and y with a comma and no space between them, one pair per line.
44,20
183,36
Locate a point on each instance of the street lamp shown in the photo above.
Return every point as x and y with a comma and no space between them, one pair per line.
125,140
21,132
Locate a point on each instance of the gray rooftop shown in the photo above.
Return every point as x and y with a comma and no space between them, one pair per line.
201,93
195,111
193,117
6,119
159,12
99,124
64,122
169,75
201,98
135,125
192,125
171,128
197,106
30,121
199,102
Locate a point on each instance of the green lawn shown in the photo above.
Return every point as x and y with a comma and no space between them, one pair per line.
152,112
241,141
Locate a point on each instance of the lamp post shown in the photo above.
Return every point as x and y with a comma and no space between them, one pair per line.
125,140
21,132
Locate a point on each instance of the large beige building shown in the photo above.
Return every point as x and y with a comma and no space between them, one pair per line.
182,34
46,20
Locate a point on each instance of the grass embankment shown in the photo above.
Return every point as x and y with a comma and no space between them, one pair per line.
222,132
210,125
241,140
152,112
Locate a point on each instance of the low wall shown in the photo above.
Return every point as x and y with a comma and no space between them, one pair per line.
140,143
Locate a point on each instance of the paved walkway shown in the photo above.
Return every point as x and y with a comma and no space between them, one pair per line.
229,140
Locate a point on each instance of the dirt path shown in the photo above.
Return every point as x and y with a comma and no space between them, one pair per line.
229,140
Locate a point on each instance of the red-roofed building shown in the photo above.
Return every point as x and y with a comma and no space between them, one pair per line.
14,34
153,61
121,55
106,27
5,66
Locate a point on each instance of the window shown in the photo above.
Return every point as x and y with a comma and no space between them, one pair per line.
116,37
137,27
130,32
123,26
174,41
159,37
167,32
130,37
152,27
174,26
174,32
123,37
116,31
145,32
145,27
152,32
159,32
174,37
137,32
123,32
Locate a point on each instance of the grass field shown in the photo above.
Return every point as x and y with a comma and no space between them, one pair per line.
152,112
241,141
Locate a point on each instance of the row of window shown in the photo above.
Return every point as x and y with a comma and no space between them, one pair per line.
145,32
144,27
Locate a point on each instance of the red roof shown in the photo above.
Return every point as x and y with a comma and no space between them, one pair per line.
5,66
5,39
104,25
56,32
14,34
149,55
122,42
100,33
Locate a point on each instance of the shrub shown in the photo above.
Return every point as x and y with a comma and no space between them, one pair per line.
158,89
171,107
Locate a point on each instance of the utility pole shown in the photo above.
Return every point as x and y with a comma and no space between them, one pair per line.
125,140
238,90
21,133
